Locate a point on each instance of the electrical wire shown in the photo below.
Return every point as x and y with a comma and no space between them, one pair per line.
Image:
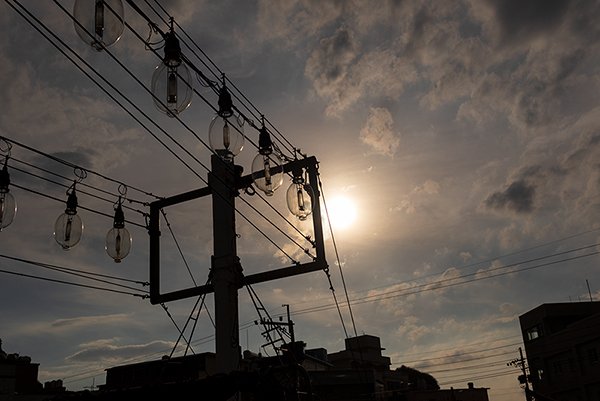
80,273
79,191
64,162
436,286
80,184
337,256
186,127
132,104
78,206
143,296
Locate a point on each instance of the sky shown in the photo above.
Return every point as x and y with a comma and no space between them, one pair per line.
465,136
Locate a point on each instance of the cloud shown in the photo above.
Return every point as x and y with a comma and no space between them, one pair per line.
378,132
328,65
108,350
517,197
88,321
290,21
519,21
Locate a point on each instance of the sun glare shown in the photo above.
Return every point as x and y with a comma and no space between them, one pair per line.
342,212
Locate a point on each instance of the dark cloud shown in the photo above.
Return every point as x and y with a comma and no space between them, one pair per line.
521,20
328,64
82,158
518,197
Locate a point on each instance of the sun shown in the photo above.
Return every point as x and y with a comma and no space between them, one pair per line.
342,212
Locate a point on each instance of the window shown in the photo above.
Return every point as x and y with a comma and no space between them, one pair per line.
540,374
533,333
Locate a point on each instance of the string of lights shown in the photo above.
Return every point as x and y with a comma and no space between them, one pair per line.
67,186
85,72
189,129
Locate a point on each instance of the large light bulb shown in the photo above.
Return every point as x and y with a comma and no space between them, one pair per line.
299,198
118,243
118,239
8,206
172,81
171,86
69,227
267,172
226,136
8,209
99,23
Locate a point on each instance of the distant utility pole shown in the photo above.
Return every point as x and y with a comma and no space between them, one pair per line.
523,379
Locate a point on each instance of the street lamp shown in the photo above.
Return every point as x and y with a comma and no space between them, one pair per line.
8,206
299,196
118,239
69,227
267,170
171,80
226,131
99,23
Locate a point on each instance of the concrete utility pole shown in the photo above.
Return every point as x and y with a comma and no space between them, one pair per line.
224,183
226,269
524,369
520,362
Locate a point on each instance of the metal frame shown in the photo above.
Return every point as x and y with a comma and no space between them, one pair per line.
318,263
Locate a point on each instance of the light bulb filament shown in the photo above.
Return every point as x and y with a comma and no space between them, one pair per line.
118,244
99,18
2,208
268,179
300,196
68,228
226,136
172,87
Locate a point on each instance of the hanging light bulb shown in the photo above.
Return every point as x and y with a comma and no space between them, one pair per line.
267,170
226,131
69,227
299,196
118,239
99,23
8,206
171,81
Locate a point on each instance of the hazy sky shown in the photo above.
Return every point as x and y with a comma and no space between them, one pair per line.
466,134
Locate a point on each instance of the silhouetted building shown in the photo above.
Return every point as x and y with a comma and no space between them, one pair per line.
359,372
466,394
166,370
17,374
562,343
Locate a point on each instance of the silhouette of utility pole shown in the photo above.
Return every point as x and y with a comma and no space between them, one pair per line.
523,379
225,180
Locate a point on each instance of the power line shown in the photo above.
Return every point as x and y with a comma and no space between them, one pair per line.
73,283
132,104
79,272
62,161
462,354
466,345
79,191
436,285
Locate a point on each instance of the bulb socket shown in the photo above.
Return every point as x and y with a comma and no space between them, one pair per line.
71,203
4,179
172,50
119,221
265,145
225,103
